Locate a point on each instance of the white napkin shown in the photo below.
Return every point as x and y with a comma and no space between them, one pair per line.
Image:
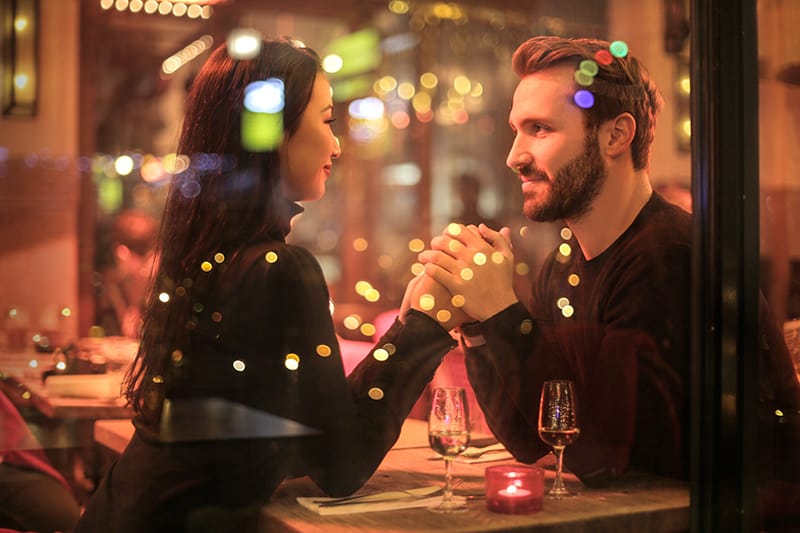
381,501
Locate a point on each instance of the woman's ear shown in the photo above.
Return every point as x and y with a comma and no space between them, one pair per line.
620,133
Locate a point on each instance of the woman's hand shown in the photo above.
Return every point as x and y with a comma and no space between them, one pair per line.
476,266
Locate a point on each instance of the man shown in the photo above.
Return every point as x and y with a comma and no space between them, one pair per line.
610,309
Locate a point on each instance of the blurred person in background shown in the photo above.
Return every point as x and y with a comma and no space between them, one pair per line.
122,285
34,496
237,313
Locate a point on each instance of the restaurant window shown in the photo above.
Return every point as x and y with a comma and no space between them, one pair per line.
434,152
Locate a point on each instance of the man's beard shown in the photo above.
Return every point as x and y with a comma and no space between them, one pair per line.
574,188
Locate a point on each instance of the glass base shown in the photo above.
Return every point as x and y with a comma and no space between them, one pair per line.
558,494
449,507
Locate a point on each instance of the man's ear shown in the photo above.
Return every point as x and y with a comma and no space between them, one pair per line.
620,133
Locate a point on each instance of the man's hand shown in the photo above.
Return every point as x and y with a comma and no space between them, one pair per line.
426,295
476,265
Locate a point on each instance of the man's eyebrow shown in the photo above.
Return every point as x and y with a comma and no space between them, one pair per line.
527,121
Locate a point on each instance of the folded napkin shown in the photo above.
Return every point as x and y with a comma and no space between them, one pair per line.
380,501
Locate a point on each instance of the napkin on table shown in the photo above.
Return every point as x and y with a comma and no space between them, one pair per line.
381,501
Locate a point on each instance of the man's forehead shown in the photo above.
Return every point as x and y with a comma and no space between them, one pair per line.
545,91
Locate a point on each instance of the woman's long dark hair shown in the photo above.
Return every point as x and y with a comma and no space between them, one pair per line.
225,197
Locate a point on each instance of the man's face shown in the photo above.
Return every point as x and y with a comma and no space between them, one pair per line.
558,161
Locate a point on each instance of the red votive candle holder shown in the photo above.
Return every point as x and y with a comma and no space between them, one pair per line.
514,489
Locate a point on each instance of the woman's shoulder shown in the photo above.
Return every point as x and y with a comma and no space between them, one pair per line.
275,259
276,254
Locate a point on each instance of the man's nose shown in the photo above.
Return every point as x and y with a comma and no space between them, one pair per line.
518,157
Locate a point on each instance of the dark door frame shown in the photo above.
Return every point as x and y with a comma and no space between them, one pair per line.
725,194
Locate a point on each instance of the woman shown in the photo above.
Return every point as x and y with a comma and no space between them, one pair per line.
238,314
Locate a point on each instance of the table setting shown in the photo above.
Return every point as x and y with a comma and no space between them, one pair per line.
409,491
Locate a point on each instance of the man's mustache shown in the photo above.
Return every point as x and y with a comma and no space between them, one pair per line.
531,171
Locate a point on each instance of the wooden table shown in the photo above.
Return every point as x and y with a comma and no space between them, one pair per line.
642,504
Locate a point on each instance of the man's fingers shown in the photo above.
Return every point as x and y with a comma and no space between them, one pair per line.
499,240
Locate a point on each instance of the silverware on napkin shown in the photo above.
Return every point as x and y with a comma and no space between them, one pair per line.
374,497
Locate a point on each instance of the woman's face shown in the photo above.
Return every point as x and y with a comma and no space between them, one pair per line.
307,156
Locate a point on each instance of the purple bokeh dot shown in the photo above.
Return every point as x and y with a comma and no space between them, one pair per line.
584,99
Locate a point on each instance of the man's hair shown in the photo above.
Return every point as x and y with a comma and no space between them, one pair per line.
623,86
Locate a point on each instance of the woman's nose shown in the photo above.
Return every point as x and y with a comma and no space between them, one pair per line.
337,151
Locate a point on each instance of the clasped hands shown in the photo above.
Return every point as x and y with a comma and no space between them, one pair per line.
468,276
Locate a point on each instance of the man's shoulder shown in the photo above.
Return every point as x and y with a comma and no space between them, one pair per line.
662,222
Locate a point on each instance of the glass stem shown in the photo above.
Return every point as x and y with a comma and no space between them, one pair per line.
448,479
558,484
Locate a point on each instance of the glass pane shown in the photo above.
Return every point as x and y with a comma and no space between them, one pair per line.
422,120
779,133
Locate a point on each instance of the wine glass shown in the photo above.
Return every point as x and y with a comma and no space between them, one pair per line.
448,434
558,425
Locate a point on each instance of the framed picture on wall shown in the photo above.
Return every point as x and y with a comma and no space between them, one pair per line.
20,61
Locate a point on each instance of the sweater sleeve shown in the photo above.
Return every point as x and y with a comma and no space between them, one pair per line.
360,415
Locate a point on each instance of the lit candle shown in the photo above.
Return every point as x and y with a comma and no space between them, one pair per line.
512,492
514,489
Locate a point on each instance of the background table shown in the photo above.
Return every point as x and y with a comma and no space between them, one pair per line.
63,425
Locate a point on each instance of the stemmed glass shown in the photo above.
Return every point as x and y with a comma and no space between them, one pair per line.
558,426
448,435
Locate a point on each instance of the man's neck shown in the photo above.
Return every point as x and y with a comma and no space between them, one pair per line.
612,212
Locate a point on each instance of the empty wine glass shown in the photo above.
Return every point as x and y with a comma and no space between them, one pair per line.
558,426
448,435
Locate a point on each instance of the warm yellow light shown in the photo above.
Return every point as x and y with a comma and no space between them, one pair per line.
398,7
20,23
332,63
416,245
123,165
421,102
387,83
428,80
406,90
21,81
352,321
362,287
244,43
462,85
372,295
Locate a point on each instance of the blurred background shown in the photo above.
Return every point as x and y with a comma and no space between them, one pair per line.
422,91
